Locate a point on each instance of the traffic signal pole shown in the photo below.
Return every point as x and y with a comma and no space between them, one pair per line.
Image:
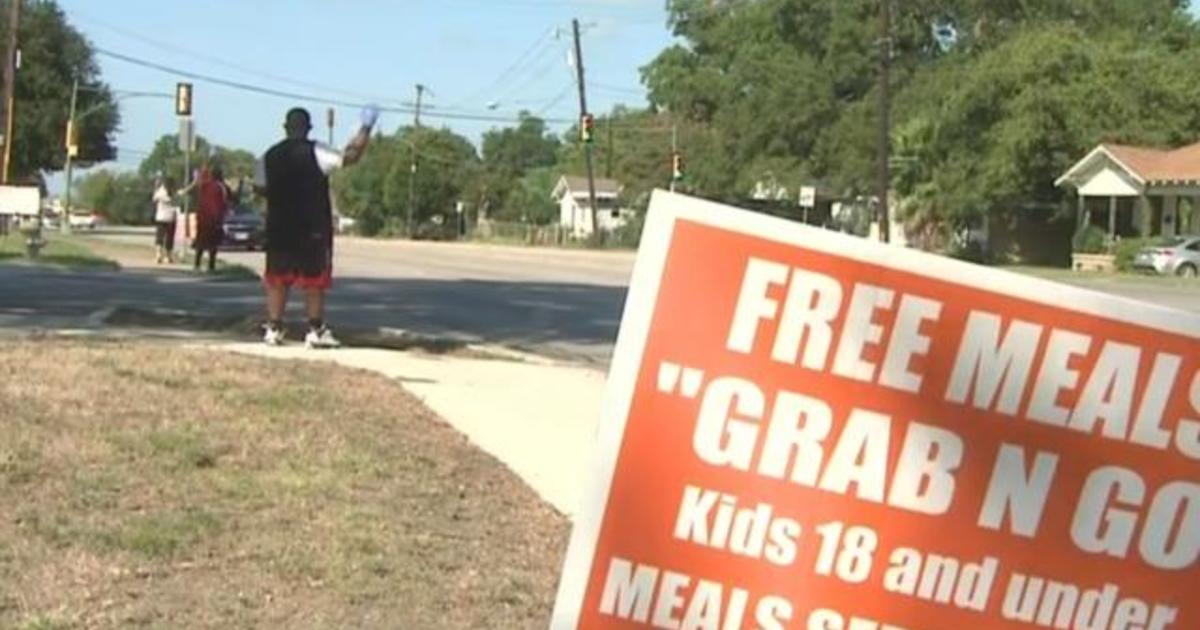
587,147
187,131
72,149
409,226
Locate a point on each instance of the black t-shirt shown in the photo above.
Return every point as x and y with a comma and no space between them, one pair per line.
299,213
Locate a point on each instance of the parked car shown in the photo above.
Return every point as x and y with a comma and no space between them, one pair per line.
344,224
1175,256
244,229
85,220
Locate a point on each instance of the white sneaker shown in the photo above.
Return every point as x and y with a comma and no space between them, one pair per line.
273,336
321,338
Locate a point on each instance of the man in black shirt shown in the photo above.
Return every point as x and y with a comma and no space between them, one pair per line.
294,177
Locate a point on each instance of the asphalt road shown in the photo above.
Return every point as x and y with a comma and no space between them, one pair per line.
560,303
557,302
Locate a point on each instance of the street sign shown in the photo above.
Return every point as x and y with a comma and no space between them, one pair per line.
187,135
808,197
808,430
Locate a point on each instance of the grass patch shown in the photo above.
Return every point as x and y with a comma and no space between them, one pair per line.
185,449
235,272
1059,274
151,486
162,535
43,622
18,464
63,251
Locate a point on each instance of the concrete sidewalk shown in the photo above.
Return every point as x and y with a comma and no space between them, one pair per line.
537,417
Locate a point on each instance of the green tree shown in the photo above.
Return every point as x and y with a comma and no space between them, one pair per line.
509,154
377,190
166,159
530,200
990,133
53,55
123,198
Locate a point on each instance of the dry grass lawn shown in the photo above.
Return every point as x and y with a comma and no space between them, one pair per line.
146,486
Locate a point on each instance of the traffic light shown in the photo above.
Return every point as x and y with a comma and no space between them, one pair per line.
677,166
183,99
72,139
587,128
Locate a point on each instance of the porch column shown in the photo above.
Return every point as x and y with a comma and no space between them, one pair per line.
1145,216
1112,217
1081,217
1170,215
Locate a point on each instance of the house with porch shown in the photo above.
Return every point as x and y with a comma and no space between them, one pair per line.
1137,191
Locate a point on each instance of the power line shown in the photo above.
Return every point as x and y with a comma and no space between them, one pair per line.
539,74
613,88
223,62
295,96
530,55
557,99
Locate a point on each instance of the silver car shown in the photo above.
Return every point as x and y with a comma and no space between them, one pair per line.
1176,256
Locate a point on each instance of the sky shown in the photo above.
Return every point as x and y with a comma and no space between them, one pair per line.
476,57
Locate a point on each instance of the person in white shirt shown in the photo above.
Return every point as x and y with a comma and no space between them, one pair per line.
165,215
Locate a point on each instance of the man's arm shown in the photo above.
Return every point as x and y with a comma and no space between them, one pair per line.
260,177
357,147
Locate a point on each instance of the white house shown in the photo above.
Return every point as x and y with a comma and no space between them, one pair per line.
575,211
1136,190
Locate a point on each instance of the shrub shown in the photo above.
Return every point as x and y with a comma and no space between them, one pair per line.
1091,240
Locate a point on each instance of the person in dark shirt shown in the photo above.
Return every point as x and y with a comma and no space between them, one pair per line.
294,177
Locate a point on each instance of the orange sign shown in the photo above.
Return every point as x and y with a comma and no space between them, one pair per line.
811,431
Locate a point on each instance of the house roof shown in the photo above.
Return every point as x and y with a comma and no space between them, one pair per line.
1146,165
1152,165
604,187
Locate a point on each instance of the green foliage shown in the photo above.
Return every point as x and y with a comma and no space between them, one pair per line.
124,197
120,197
376,191
1127,249
530,200
508,155
628,236
993,100
53,55
1091,240
167,160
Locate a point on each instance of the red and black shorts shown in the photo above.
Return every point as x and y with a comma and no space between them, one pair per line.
307,268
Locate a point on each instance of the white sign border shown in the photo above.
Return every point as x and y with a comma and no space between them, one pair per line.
642,300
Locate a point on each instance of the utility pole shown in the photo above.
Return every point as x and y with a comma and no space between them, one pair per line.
611,151
412,177
330,120
72,149
184,101
587,147
10,81
885,116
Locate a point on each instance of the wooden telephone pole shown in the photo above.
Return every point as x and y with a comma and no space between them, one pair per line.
10,80
885,119
587,147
